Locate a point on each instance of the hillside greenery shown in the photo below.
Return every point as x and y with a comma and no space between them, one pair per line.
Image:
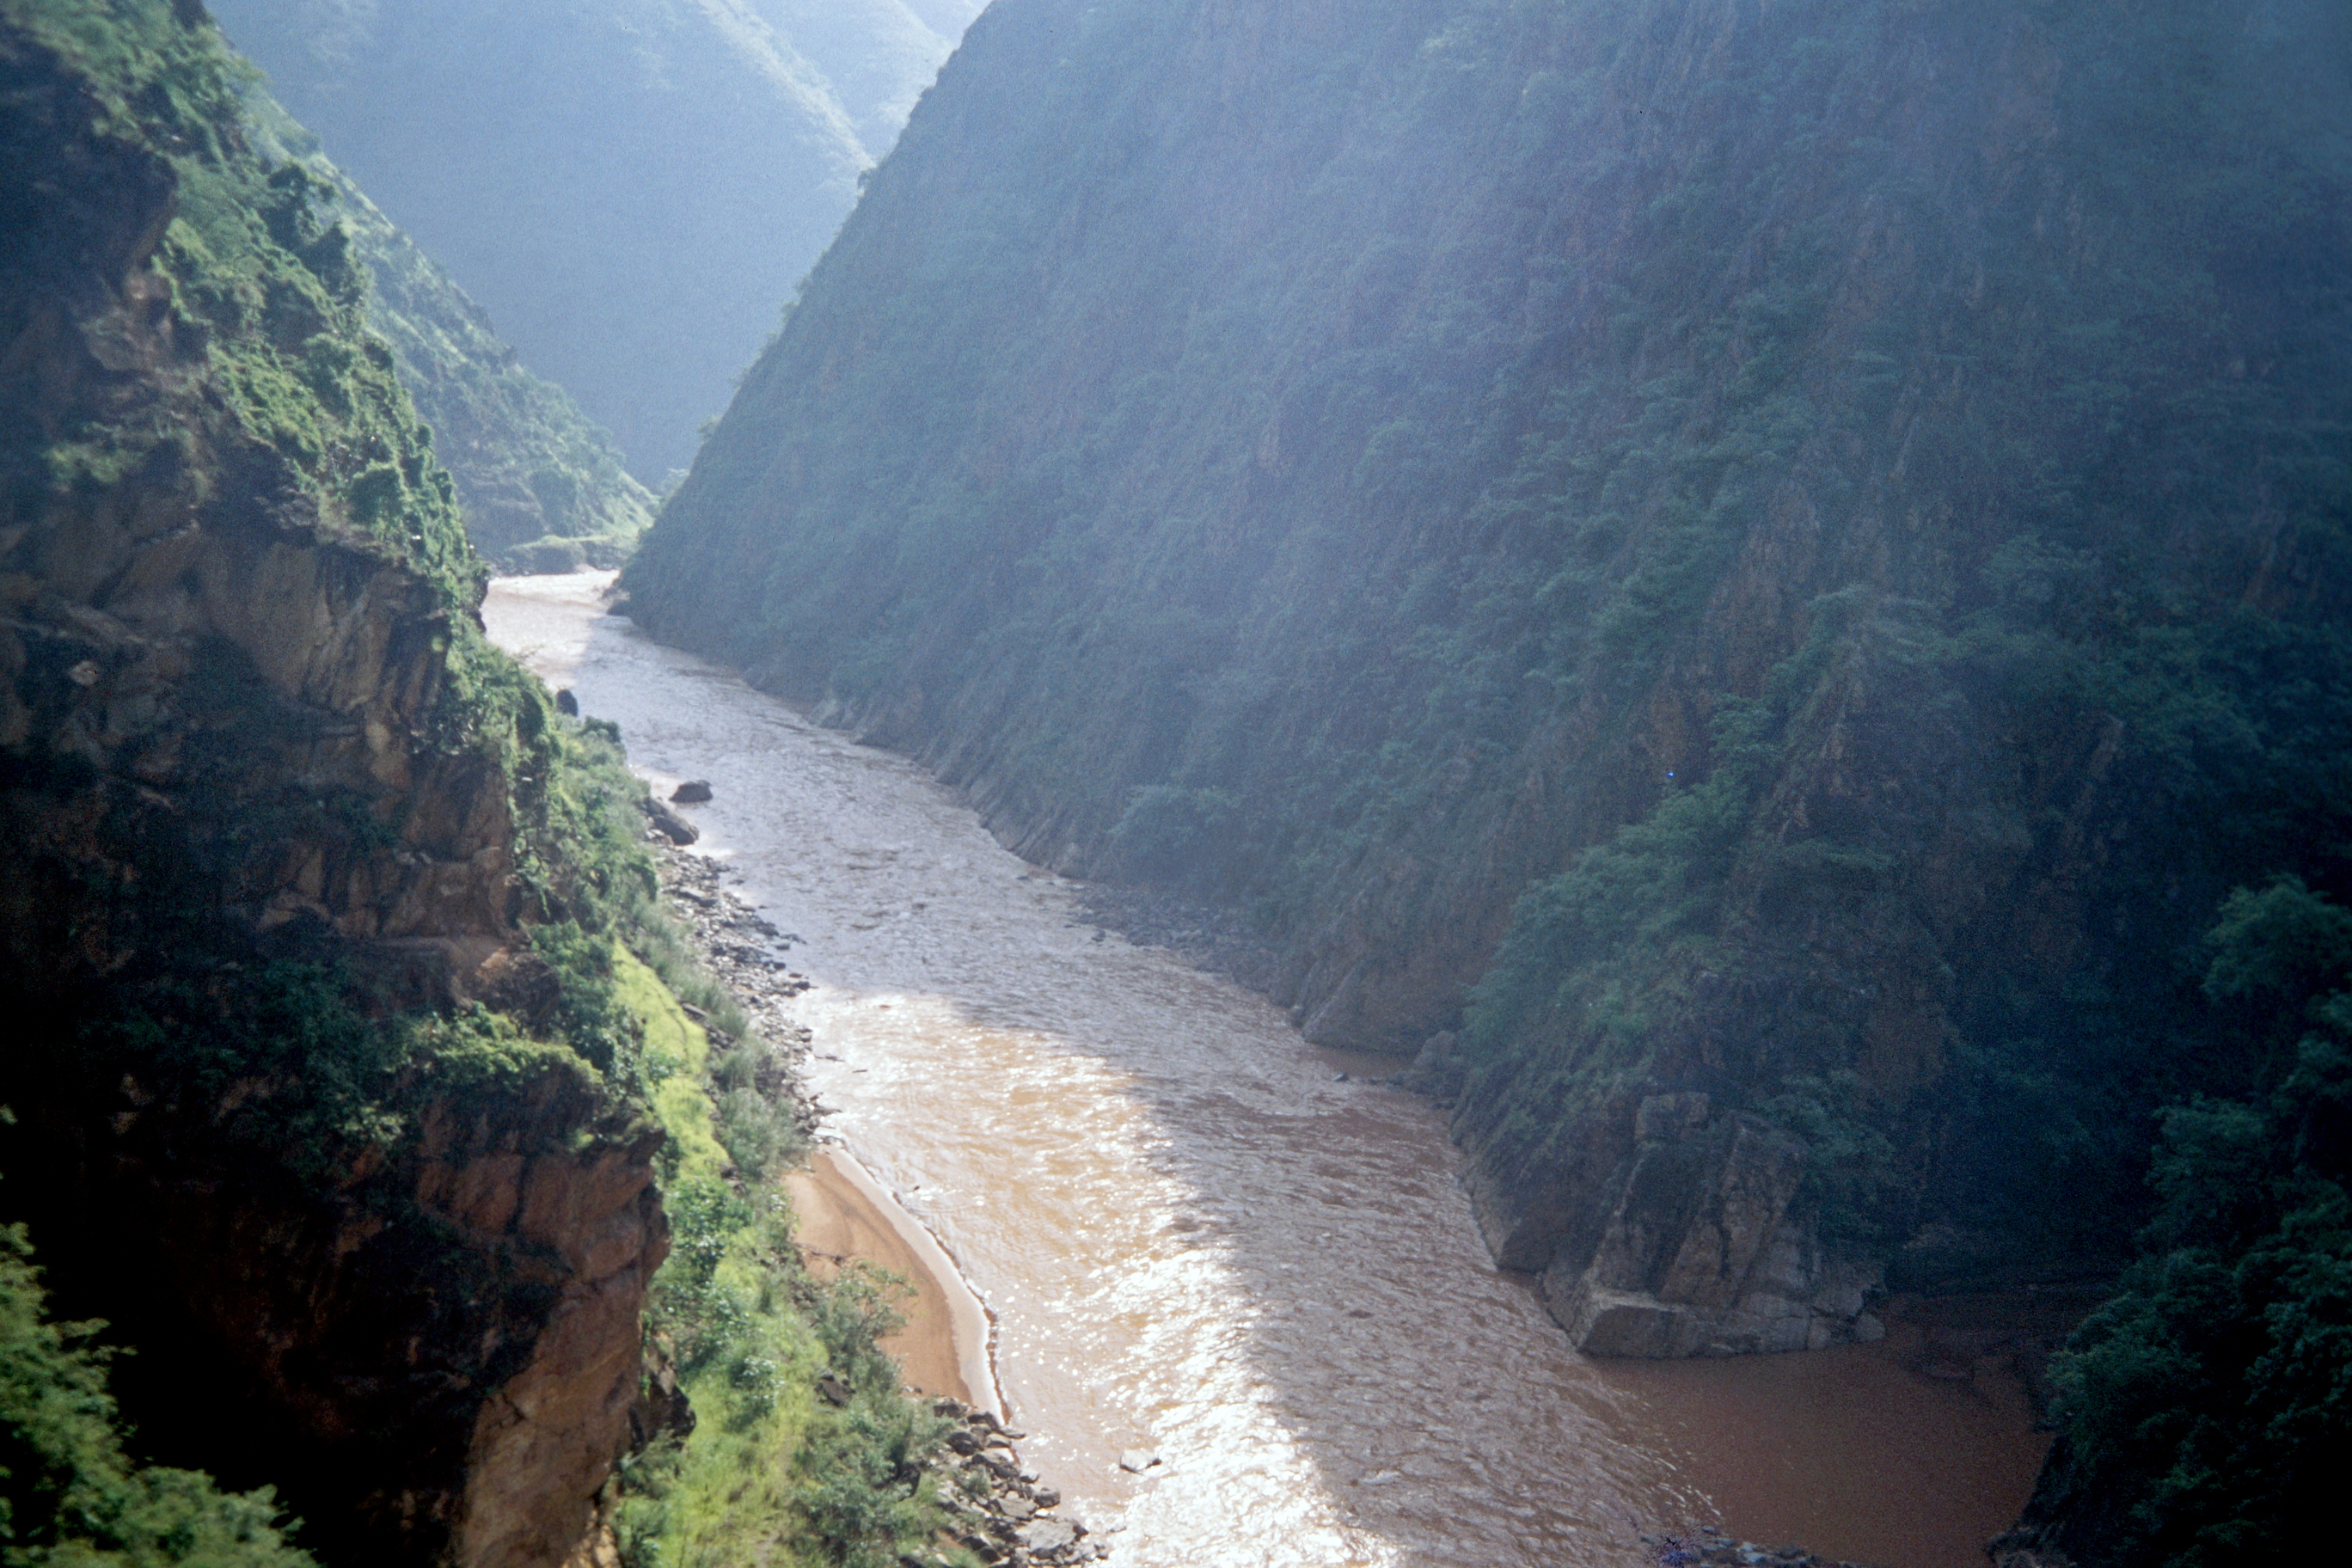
283,1065
2199,1408
631,188
1403,536
770,1472
540,487
1799,552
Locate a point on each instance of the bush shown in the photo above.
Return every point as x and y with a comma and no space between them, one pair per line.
69,1494
2198,1410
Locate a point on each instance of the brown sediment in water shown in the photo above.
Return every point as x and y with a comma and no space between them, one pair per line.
1203,1241
1889,1453
840,1213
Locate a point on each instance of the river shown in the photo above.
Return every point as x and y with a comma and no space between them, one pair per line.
1192,1240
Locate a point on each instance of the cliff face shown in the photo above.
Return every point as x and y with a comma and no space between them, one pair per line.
275,822
208,645
432,1351
1674,555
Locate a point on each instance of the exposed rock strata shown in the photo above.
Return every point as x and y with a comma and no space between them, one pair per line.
207,672
1699,1254
441,1342
1709,1548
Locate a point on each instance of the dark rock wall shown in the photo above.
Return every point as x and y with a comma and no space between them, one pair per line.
244,734
432,1353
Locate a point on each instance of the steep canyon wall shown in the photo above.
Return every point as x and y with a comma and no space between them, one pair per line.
297,1101
1742,579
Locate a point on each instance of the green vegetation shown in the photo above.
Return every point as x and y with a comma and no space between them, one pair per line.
2196,1408
273,242
69,1493
267,290
1413,552
540,488
771,1471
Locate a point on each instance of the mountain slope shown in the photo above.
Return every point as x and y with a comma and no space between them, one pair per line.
300,1099
540,488
1747,581
631,187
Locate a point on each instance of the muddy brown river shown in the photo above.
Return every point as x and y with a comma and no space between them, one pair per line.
1191,1240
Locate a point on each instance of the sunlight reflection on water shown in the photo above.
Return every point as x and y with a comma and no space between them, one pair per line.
1190,1239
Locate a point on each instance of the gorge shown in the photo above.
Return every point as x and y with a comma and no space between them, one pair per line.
1733,617
1194,1242
1759,589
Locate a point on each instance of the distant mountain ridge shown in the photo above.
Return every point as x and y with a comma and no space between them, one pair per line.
632,188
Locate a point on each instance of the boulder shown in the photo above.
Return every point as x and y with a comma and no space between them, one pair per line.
667,823
1049,1535
693,792
1698,1253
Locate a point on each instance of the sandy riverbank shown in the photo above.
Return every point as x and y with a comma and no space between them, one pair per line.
840,1212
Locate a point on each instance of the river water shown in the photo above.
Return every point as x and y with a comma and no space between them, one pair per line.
1191,1240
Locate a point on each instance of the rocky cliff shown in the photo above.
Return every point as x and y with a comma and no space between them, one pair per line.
1746,582
304,1101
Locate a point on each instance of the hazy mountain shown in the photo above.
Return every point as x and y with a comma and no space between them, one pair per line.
541,486
631,188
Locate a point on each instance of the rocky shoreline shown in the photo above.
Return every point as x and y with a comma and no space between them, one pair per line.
1004,1513
1709,1548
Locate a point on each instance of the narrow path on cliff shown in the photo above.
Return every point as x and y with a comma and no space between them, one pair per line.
1196,1242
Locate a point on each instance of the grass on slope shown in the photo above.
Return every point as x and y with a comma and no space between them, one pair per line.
773,1471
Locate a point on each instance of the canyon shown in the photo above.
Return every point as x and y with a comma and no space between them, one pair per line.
1201,1240
1732,618
1566,533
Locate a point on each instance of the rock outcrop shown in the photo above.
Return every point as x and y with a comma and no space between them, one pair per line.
431,1349
211,670
266,851
1699,1253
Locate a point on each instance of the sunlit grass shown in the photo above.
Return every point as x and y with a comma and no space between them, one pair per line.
770,1473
